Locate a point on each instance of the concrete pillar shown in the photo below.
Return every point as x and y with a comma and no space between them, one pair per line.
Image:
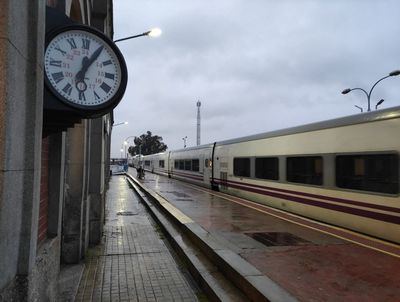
74,193
96,181
56,182
99,142
21,91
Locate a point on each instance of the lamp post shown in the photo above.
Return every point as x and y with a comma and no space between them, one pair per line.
155,32
119,124
368,94
377,104
359,108
184,141
126,144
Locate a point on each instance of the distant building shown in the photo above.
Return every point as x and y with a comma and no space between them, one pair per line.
51,186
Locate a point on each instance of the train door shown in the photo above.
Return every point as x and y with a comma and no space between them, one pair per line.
223,173
171,163
221,157
206,162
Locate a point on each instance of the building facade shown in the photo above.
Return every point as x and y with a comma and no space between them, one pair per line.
52,184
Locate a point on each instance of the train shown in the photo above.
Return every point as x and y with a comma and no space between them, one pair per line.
342,172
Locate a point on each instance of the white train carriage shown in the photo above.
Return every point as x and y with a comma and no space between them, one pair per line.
192,164
156,163
344,171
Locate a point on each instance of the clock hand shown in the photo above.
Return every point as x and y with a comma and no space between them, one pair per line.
81,73
87,62
95,55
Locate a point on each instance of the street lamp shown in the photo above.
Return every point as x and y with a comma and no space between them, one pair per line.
119,124
155,32
359,108
184,141
392,74
126,143
377,104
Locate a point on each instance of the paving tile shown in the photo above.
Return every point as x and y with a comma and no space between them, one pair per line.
133,263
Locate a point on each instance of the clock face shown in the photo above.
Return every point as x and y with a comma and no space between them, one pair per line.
82,69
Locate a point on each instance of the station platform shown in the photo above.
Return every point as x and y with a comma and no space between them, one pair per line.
134,262
308,260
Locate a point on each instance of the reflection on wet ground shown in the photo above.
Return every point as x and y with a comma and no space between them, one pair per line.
311,265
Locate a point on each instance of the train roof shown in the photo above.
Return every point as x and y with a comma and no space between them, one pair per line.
373,116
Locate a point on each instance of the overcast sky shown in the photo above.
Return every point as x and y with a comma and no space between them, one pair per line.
255,65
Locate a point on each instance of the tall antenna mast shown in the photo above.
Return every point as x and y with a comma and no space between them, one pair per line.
198,104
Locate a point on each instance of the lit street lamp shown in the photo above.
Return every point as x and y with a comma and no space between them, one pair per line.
392,74
126,144
155,32
119,124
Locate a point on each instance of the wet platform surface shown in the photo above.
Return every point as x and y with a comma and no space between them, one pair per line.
134,263
309,263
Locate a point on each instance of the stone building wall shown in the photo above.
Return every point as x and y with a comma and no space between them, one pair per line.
31,251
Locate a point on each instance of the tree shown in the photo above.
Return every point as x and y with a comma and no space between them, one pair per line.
147,144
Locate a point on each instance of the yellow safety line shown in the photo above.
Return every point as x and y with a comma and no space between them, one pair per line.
307,226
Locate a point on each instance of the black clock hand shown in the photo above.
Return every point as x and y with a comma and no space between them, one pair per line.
81,73
87,62
95,56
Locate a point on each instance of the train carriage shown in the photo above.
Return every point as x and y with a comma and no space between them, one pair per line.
344,171
192,164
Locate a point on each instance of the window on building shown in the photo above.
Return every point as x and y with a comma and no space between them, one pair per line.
306,170
369,172
188,164
195,165
267,168
161,164
241,167
181,164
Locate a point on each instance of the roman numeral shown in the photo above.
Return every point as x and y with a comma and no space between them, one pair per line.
71,42
60,50
108,62
82,96
57,77
85,43
67,89
96,96
105,87
109,75
56,63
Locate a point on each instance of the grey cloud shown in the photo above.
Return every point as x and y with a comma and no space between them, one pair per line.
255,65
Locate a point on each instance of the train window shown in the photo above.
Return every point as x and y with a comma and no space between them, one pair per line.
206,163
176,164
195,165
306,170
370,172
241,167
147,163
267,168
181,164
188,164
161,164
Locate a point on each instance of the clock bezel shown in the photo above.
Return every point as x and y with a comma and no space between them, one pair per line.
116,98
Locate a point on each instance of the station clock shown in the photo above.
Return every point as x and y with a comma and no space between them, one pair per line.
84,69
